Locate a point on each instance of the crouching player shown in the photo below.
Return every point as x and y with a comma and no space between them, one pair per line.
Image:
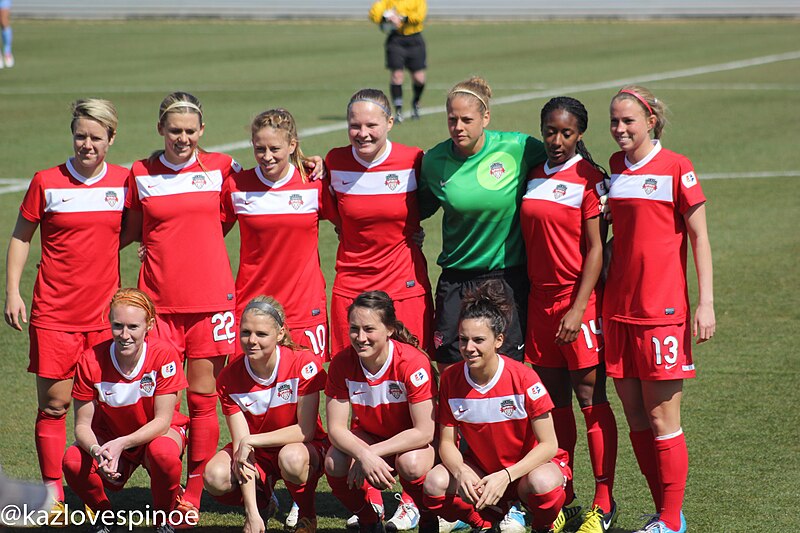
501,409
126,414
270,398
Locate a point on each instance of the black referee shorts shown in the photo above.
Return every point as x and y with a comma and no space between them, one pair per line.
405,52
450,290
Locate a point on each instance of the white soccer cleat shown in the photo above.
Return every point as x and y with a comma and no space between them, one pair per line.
405,517
291,518
513,522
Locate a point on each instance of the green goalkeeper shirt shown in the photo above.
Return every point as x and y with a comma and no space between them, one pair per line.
481,197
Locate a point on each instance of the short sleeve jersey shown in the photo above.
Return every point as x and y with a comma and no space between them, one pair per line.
126,402
279,238
186,268
271,404
556,203
377,204
481,197
80,222
647,276
498,412
412,11
380,401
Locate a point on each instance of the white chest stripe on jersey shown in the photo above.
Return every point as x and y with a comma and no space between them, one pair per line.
641,187
84,200
276,202
488,410
261,401
123,394
388,392
182,183
373,183
553,190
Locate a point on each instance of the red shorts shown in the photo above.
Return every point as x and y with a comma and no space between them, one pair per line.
416,313
648,352
314,337
544,316
54,354
198,335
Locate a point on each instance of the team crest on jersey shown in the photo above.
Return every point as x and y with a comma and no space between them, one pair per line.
199,181
284,392
507,407
497,170
111,198
650,186
392,181
146,385
395,390
559,191
296,201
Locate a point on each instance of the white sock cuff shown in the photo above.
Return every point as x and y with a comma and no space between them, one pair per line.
671,435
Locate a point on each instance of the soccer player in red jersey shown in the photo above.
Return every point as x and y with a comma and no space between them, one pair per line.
278,209
126,413
78,205
560,217
270,398
657,206
502,410
375,183
387,384
173,207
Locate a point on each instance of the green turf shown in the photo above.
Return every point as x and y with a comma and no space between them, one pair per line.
740,415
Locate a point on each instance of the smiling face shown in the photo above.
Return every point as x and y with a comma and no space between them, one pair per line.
129,327
90,142
259,334
368,129
273,150
560,134
630,128
369,336
181,132
466,122
478,345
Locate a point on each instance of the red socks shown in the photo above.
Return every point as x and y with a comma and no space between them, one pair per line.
304,496
673,468
601,432
645,451
545,507
83,479
567,435
164,457
412,491
203,437
355,500
451,507
50,435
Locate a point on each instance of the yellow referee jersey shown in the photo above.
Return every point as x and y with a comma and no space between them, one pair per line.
414,12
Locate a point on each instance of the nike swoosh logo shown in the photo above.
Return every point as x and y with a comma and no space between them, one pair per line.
442,183
670,367
520,346
355,393
152,185
347,182
65,200
249,404
462,410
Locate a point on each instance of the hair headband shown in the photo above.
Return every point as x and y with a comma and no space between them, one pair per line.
181,103
383,107
476,95
267,308
638,97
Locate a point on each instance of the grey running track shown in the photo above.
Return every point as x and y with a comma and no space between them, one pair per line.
445,9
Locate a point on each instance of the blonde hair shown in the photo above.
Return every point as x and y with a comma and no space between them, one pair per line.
476,87
649,104
280,119
373,96
269,306
135,298
101,111
179,102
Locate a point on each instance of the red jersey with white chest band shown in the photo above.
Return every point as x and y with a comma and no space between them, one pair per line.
377,204
556,203
494,419
125,402
80,220
186,267
380,401
647,276
271,404
279,235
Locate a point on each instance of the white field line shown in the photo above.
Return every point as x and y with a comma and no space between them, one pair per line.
19,185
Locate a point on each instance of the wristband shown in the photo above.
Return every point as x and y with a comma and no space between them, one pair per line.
509,474
92,448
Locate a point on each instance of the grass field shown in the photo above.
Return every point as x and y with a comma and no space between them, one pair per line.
736,121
